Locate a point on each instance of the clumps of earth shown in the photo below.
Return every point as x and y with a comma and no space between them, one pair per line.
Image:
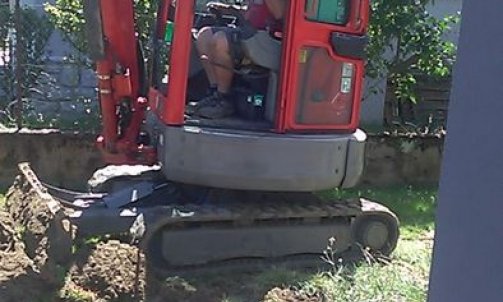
40,260
291,295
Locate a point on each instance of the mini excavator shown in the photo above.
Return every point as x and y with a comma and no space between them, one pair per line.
200,192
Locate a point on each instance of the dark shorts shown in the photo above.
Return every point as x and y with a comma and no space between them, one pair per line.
259,47
234,36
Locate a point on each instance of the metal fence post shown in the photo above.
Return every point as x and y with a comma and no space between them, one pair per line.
19,65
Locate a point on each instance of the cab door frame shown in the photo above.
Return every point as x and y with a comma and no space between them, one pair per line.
170,106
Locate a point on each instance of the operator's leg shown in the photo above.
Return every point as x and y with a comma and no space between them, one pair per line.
206,48
219,105
205,45
223,62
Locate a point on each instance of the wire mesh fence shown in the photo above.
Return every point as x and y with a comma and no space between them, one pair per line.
43,82
7,86
23,37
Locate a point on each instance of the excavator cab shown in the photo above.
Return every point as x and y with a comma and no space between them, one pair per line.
303,132
330,43
238,188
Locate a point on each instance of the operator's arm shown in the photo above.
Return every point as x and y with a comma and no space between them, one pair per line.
225,9
277,8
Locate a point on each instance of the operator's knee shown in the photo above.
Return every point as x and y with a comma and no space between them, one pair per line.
221,44
204,39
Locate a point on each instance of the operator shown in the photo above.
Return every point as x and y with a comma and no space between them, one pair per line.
221,49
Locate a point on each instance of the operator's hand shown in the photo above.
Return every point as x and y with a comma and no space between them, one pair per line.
219,8
216,5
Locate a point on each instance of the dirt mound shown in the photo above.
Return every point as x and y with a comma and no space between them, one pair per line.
35,241
290,295
36,257
46,233
113,271
13,261
7,233
19,280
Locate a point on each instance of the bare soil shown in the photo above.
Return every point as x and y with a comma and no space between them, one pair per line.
16,268
290,295
112,270
32,242
20,278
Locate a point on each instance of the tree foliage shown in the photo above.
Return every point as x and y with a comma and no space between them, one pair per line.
407,41
67,15
24,42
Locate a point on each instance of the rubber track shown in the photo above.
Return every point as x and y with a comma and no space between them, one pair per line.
275,209
250,213
247,213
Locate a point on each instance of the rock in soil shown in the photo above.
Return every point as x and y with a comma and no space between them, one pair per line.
112,271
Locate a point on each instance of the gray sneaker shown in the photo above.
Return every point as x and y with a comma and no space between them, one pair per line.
221,109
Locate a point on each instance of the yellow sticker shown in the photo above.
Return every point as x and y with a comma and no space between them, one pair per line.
303,56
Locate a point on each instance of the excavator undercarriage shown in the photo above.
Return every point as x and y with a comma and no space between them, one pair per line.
184,228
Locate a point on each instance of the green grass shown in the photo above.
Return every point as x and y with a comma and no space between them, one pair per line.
415,207
405,277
